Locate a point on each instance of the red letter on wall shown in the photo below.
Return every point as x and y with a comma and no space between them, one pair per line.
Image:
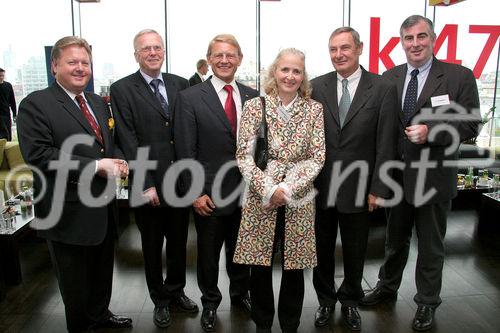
449,31
494,31
383,55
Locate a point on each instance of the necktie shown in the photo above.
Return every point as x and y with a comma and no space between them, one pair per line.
410,102
345,102
90,118
230,108
155,83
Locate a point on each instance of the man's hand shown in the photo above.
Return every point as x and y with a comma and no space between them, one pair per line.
417,133
374,202
151,196
112,168
203,205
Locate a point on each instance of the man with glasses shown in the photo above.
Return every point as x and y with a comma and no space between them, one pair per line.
143,105
206,127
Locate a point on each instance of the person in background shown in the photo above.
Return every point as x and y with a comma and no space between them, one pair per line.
143,107
7,104
206,124
424,82
81,241
278,210
360,129
201,71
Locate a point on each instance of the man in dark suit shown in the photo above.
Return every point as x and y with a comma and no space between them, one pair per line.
7,103
80,237
143,106
424,82
360,135
201,71
206,125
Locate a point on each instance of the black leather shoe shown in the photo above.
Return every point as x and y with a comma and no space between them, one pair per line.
322,316
424,318
351,317
208,318
245,303
161,316
376,296
184,304
115,321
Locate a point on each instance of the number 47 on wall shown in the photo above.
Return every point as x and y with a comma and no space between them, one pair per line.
450,32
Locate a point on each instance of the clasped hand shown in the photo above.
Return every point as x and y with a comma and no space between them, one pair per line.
112,168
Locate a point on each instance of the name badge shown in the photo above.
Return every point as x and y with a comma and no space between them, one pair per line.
283,114
440,100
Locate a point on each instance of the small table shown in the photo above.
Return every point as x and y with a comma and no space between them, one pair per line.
9,249
490,212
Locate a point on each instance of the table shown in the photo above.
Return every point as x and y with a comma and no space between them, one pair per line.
489,215
9,249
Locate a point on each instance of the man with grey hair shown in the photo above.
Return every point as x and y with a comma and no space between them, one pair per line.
143,106
424,82
81,239
201,71
360,131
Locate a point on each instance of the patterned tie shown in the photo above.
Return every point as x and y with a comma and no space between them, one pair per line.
230,108
90,118
155,83
410,102
345,102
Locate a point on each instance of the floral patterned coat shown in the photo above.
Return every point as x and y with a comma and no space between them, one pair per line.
296,153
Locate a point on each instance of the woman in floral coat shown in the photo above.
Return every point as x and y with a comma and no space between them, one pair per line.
278,207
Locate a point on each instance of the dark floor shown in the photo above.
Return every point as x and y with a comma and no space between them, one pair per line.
471,289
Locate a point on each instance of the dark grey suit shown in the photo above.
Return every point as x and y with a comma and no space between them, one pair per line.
368,135
195,79
429,217
203,133
81,243
141,122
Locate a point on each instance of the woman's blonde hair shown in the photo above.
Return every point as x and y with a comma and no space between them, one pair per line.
270,85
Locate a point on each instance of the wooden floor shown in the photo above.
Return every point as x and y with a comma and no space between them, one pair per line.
471,289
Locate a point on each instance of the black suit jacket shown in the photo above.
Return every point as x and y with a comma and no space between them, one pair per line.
7,100
203,133
46,119
459,84
195,79
368,135
141,122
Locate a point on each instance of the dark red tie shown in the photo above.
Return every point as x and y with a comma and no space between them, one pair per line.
230,108
90,118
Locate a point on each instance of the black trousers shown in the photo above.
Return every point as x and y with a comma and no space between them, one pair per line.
85,277
430,225
291,295
157,224
213,232
6,127
354,228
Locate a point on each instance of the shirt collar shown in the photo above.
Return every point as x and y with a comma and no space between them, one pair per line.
422,68
149,78
353,76
72,95
289,106
219,84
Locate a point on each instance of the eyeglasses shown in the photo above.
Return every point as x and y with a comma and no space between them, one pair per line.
146,49
229,56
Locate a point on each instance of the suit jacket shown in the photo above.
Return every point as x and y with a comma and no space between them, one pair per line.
203,133
368,135
46,119
195,79
297,165
141,122
7,100
459,84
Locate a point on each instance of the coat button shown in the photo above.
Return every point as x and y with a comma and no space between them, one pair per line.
171,142
102,150
167,123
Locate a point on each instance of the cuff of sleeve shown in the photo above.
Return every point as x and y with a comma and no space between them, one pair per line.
269,194
96,166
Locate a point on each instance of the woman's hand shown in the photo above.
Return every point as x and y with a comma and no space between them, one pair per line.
278,199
